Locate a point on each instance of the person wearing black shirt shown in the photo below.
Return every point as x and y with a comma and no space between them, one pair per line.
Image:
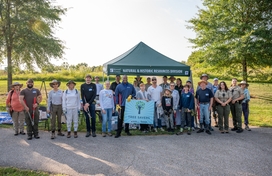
115,83
88,94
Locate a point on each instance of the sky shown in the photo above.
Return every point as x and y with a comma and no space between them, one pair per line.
96,31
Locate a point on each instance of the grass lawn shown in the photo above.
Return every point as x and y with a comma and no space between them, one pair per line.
11,171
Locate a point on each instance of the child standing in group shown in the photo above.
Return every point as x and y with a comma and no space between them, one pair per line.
186,107
167,105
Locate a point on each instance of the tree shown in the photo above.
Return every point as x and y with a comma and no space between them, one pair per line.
234,33
26,33
140,106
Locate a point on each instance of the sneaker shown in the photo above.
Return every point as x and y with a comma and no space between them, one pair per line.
226,131
193,129
222,132
247,128
68,134
216,125
189,132
200,131
16,134
75,134
36,136
103,134
110,134
240,130
29,137
179,133
155,130
208,132
88,134
53,135
60,133
93,134
234,129
162,129
117,135
211,129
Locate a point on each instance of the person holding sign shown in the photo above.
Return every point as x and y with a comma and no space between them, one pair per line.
123,92
30,99
142,95
107,107
168,108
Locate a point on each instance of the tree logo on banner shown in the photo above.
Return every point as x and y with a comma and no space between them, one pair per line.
140,106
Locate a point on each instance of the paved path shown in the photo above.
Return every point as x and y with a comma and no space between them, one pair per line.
248,153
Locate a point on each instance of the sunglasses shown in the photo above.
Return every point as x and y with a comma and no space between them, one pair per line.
172,85
54,84
154,79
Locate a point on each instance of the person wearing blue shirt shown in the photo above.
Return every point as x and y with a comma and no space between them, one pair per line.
245,107
186,107
122,92
204,97
214,110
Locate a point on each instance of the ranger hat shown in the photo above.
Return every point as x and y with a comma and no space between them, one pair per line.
202,81
53,82
243,83
70,82
16,84
204,75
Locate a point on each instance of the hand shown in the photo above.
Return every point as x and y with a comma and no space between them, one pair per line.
35,105
48,111
160,105
210,108
64,111
189,110
233,101
26,109
86,106
223,104
8,109
103,111
113,110
146,100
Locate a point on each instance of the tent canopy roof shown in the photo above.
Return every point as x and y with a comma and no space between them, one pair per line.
144,60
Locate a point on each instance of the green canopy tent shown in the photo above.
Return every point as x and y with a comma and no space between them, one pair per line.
143,60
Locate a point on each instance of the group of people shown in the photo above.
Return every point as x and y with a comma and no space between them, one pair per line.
177,104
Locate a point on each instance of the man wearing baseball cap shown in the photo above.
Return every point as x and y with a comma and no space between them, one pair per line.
88,94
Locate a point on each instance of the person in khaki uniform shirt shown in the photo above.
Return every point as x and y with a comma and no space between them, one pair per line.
223,97
236,106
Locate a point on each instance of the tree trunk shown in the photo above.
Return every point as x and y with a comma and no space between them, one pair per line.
9,81
244,69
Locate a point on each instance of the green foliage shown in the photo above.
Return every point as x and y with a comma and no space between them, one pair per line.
27,33
140,105
233,34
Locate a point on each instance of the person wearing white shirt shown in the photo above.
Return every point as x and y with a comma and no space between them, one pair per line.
107,108
71,107
99,86
176,96
155,93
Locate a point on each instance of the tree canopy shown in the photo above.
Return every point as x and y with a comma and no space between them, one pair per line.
27,33
234,33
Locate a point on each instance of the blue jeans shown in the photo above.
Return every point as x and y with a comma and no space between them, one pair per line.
106,118
93,120
204,112
157,122
245,110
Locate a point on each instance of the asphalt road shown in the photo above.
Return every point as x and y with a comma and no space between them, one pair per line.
248,153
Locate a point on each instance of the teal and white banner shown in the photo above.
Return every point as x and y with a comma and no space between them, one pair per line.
139,112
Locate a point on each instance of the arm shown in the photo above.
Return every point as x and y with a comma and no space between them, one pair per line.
177,102
172,103
82,94
163,103
101,100
191,105
64,102
8,99
133,92
117,95
21,99
78,101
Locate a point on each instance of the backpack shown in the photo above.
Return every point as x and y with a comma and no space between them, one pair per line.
66,91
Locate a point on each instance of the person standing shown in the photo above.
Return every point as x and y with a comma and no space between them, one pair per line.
114,85
223,98
172,80
168,108
186,107
236,106
179,86
155,92
204,97
176,96
245,108
71,107
107,108
148,83
88,95
205,77
30,98
214,110
135,85
191,89
142,95
123,91
138,80
16,109
54,106
165,84
99,86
